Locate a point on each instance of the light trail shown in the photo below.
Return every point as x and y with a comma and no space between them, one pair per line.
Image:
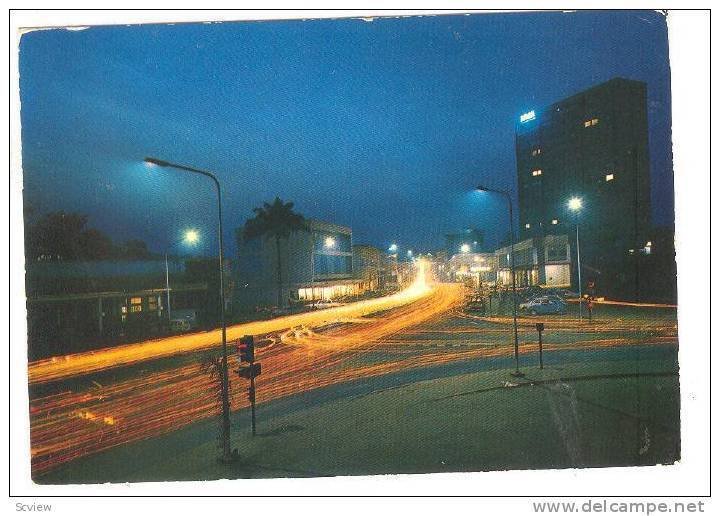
629,303
163,401
56,368
67,425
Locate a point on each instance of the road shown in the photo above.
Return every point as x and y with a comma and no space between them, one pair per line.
345,429
57,368
152,388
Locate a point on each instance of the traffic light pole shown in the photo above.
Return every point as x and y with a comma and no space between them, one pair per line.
252,403
246,349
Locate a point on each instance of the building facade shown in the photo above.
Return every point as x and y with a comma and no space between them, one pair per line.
592,146
312,264
543,261
75,306
369,266
476,268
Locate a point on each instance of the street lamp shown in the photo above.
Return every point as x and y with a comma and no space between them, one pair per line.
225,387
393,248
512,271
575,204
191,237
465,248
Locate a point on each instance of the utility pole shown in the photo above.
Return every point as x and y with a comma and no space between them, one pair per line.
167,287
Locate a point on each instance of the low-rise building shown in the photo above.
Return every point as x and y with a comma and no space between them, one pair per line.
80,305
543,261
311,264
368,266
478,268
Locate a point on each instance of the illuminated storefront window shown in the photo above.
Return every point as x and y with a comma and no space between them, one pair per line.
135,305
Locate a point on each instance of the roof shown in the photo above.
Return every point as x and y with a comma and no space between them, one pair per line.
319,225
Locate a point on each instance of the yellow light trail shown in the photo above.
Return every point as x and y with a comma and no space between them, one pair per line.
69,425
307,354
56,368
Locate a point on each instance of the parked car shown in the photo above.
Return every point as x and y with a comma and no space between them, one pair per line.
545,305
183,320
475,304
533,291
568,294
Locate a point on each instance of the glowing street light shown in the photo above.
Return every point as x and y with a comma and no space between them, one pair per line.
575,205
512,270
393,248
191,237
225,385
465,248
329,242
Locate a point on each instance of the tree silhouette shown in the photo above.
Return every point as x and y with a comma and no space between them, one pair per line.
64,236
277,221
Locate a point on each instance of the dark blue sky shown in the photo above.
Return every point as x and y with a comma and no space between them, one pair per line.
384,126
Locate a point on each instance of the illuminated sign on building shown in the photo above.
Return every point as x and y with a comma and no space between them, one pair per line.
526,117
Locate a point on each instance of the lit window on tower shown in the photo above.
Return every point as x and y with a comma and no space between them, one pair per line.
554,222
537,172
536,151
609,177
527,226
591,122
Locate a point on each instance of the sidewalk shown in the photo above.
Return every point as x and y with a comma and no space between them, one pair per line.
615,410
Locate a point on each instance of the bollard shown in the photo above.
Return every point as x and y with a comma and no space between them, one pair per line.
540,327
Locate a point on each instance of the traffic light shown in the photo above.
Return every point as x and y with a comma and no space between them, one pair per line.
251,371
246,349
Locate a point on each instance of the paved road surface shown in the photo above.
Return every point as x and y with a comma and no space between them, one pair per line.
84,415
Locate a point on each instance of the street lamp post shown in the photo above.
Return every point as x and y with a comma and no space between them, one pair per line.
393,250
167,288
575,205
225,387
190,237
512,271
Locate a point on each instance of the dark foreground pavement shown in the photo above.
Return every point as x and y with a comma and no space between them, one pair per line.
611,407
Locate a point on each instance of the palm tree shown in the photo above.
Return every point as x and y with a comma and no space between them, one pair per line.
277,220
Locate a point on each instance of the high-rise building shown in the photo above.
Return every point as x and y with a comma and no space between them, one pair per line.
591,147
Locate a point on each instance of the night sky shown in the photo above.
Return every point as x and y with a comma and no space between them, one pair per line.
384,125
